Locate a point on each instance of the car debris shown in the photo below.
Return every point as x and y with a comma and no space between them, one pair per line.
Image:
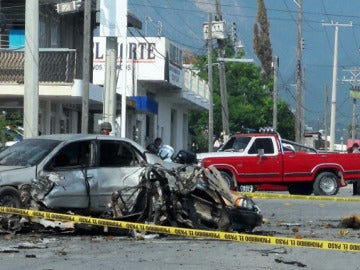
350,221
184,196
295,263
197,198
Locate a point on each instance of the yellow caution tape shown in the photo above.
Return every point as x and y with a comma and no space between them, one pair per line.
257,195
215,235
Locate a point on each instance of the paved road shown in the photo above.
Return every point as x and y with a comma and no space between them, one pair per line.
285,217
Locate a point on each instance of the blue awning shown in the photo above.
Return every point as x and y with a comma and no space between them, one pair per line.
145,104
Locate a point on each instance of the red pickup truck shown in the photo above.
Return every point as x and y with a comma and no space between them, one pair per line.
259,158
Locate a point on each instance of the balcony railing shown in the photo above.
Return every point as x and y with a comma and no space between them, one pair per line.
198,86
55,66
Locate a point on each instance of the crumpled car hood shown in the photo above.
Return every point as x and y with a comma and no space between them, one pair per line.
16,175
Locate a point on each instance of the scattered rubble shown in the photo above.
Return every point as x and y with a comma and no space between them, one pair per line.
350,221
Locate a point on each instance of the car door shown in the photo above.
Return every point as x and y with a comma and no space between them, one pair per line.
262,162
119,167
72,172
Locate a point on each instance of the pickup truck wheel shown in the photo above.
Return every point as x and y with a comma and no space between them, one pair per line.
326,184
228,179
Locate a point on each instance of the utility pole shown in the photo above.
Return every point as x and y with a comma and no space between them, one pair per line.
275,91
109,112
113,25
86,67
31,69
223,90
302,107
124,80
298,93
354,94
211,90
326,115
333,93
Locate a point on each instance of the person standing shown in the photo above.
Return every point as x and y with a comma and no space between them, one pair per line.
355,149
105,128
154,147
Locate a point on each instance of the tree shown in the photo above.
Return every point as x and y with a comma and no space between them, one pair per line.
249,99
261,41
250,102
8,123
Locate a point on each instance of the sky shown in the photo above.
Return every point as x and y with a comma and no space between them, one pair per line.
181,21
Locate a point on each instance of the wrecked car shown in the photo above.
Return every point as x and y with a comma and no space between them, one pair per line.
104,176
187,196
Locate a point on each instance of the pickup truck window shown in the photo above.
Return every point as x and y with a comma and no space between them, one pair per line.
236,144
262,143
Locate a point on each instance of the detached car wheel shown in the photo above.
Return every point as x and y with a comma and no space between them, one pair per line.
326,183
10,197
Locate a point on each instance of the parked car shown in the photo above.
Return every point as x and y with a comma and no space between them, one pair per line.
83,173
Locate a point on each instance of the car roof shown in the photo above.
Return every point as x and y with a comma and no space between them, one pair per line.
254,135
77,136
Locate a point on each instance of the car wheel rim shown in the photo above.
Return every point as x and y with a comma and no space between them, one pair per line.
327,185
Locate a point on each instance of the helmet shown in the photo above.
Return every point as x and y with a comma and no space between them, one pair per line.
105,125
166,151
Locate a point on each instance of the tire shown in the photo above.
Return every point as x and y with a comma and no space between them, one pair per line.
300,189
10,197
228,179
246,188
326,183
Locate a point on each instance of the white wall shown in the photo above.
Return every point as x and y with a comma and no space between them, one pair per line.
177,139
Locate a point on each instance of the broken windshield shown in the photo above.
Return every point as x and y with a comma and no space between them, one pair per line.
28,152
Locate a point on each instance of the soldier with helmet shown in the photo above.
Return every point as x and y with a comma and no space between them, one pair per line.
105,128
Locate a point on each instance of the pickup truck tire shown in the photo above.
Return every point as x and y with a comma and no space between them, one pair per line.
228,179
326,184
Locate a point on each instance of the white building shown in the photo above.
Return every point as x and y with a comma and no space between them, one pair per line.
160,93
163,91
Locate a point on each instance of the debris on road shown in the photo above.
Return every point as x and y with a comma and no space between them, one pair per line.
350,221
